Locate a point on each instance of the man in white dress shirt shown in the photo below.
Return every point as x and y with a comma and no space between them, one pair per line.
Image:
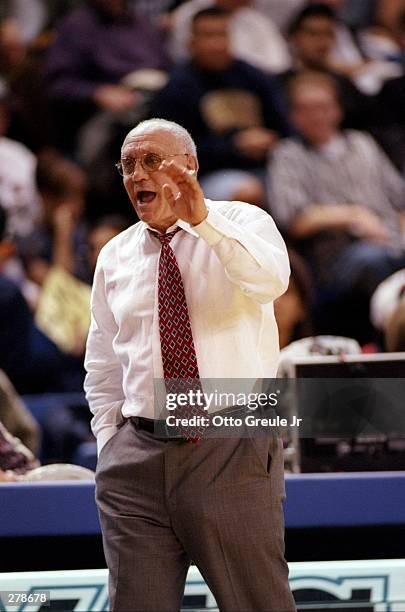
165,501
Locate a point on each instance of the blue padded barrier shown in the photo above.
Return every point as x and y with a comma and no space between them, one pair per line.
335,500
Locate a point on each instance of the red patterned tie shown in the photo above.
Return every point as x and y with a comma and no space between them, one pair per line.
180,368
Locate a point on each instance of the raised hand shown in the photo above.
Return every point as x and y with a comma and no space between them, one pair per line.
188,202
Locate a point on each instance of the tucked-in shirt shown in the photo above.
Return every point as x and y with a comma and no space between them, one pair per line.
233,265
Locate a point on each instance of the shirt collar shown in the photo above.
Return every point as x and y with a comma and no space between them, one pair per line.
179,223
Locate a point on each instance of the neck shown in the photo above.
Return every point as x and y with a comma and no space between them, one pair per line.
322,141
162,228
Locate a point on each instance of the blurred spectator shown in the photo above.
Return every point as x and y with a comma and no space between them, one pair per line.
17,419
232,109
337,194
61,238
14,456
345,54
17,463
347,58
18,194
32,362
96,46
35,16
312,35
254,37
386,39
293,308
30,17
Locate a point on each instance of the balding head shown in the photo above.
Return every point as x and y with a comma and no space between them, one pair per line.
163,141
179,133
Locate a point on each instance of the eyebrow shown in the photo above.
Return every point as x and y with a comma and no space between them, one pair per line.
142,152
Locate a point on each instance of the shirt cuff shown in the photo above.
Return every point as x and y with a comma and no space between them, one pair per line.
207,231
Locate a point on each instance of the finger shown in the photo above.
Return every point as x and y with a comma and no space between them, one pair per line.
177,172
168,195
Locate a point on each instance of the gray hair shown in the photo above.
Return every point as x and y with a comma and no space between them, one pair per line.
178,131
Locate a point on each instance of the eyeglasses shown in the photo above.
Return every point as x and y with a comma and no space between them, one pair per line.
150,162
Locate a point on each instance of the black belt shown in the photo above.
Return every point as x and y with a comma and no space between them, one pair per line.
159,429
153,426
149,425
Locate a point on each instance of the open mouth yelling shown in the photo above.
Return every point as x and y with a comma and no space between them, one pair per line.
145,197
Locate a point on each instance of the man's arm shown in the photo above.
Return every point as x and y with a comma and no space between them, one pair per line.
246,240
251,250
352,218
103,384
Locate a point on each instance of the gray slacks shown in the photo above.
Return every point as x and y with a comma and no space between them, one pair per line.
218,503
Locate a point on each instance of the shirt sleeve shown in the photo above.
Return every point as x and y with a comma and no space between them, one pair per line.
251,249
103,383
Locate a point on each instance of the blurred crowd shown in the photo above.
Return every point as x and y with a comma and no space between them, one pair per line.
295,106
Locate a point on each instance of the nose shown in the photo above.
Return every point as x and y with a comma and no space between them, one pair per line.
138,172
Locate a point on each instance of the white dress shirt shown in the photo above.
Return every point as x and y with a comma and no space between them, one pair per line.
233,265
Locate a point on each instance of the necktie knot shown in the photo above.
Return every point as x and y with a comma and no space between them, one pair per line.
166,238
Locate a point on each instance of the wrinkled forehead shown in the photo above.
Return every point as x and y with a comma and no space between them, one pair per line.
152,139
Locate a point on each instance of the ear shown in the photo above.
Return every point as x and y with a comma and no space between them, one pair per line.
192,163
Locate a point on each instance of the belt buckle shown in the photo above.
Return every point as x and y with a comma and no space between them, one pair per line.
171,431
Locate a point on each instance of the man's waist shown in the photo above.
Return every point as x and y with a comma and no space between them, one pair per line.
172,427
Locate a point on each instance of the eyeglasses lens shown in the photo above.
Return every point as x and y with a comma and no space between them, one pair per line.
149,162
